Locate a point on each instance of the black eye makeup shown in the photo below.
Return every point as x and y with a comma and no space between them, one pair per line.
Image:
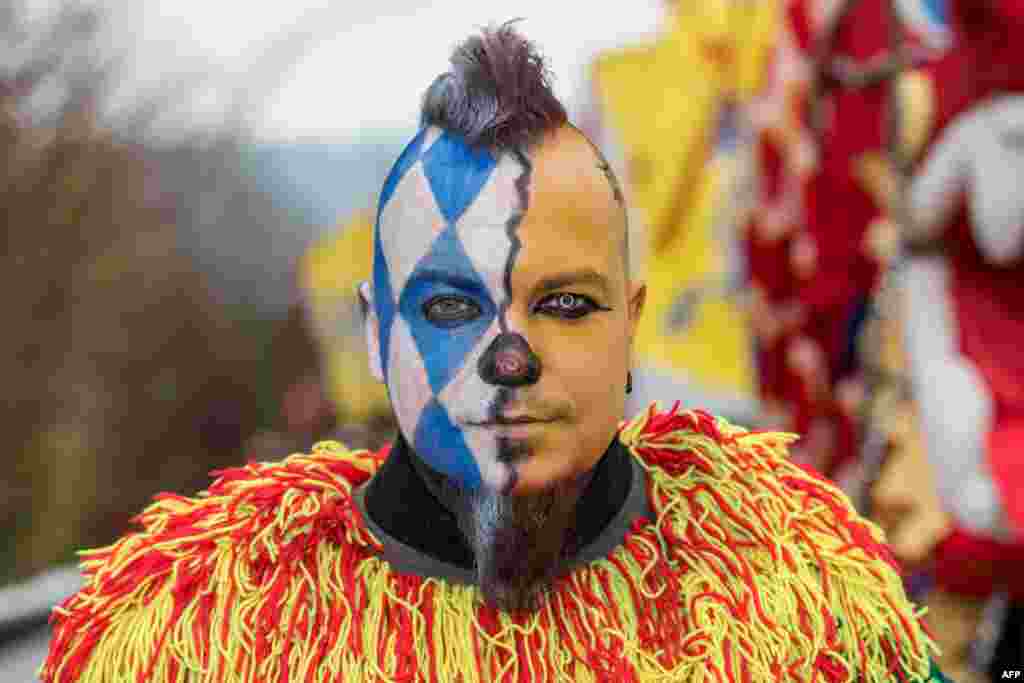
568,305
451,310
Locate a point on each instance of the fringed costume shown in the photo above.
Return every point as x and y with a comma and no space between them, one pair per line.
730,564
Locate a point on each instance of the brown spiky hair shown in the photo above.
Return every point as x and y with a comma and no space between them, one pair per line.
497,93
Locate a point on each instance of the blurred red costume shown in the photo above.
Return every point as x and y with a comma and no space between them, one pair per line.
985,295
809,262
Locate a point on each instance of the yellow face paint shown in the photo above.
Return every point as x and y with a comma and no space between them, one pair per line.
572,300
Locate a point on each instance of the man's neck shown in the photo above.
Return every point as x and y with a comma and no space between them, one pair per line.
403,502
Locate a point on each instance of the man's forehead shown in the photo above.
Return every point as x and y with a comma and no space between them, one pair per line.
449,207
451,183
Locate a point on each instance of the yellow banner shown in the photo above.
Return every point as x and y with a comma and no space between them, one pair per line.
665,103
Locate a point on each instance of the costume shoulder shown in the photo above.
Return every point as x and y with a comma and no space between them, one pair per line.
772,556
207,583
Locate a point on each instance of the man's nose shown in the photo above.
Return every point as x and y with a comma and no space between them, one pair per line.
509,362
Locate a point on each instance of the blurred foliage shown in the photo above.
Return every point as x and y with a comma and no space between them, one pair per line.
124,371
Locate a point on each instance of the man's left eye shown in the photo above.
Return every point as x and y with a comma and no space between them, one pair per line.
568,305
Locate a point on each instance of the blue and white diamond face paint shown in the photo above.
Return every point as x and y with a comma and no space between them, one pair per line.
446,243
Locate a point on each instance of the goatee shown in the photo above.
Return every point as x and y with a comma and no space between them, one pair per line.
520,543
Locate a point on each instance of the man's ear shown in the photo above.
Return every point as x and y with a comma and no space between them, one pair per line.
371,328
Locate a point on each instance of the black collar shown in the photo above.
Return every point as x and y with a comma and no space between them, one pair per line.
399,502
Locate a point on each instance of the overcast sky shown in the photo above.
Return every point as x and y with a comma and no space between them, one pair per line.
355,65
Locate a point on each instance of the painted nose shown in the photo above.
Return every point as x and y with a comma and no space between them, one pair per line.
509,362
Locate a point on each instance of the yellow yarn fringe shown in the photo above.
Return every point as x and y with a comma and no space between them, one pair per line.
271,576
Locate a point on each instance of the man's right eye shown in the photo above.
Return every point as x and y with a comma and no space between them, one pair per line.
449,310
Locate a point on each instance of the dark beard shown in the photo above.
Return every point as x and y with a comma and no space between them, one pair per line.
424,510
519,543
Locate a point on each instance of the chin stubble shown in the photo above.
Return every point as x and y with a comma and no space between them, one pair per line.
519,543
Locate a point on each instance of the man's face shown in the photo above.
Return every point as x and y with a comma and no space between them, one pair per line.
503,313
503,319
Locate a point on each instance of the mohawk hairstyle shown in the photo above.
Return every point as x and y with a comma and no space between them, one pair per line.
497,93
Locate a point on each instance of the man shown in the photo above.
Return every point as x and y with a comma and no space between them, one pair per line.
516,530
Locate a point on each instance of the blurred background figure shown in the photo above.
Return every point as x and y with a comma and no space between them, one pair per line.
900,385
961,308
667,114
817,239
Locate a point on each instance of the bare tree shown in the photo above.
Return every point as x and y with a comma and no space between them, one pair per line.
125,372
